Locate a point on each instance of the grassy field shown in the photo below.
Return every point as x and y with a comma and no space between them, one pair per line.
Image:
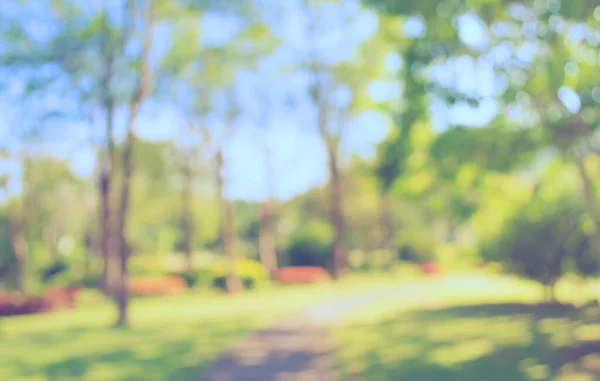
459,327
464,328
172,338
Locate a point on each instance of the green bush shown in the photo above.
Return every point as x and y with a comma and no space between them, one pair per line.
190,277
540,239
585,259
62,274
147,265
415,254
310,246
54,271
88,280
252,274
68,278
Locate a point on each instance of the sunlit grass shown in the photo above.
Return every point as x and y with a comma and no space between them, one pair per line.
459,328
172,338
416,329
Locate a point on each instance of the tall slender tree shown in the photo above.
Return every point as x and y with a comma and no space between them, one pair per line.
143,88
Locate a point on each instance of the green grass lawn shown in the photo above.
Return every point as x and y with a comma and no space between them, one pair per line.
461,329
172,338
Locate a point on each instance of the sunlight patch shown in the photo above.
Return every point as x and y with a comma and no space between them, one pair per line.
463,352
393,355
589,332
538,372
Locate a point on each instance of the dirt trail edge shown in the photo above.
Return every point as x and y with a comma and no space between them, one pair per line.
298,348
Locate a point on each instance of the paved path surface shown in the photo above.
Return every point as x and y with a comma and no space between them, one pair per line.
297,348
292,350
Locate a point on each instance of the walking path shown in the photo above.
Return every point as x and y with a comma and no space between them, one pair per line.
297,348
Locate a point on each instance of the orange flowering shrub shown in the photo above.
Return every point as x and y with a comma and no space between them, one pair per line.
147,286
304,274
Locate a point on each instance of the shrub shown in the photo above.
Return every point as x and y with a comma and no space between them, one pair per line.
407,270
53,271
88,280
539,239
61,297
17,303
71,277
357,260
12,304
151,286
379,259
311,246
585,259
415,254
252,273
301,274
492,268
190,277
147,265
431,269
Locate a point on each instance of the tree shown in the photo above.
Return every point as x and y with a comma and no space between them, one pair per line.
320,94
338,92
550,85
540,238
188,159
141,92
112,47
267,240
213,90
311,245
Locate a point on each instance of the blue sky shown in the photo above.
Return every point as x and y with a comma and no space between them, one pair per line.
299,156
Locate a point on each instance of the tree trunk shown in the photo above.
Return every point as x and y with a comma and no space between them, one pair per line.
550,293
187,216
232,282
387,221
90,248
50,240
18,234
19,246
107,241
591,204
267,238
122,297
267,245
143,89
108,244
332,143
336,216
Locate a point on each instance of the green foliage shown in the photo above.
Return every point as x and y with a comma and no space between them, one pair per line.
65,273
539,240
190,276
252,274
90,279
311,245
494,148
55,270
147,265
7,260
415,253
586,260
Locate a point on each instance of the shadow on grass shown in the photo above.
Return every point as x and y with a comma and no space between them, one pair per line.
501,342
153,353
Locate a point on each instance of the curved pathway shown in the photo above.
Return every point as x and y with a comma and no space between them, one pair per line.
298,348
